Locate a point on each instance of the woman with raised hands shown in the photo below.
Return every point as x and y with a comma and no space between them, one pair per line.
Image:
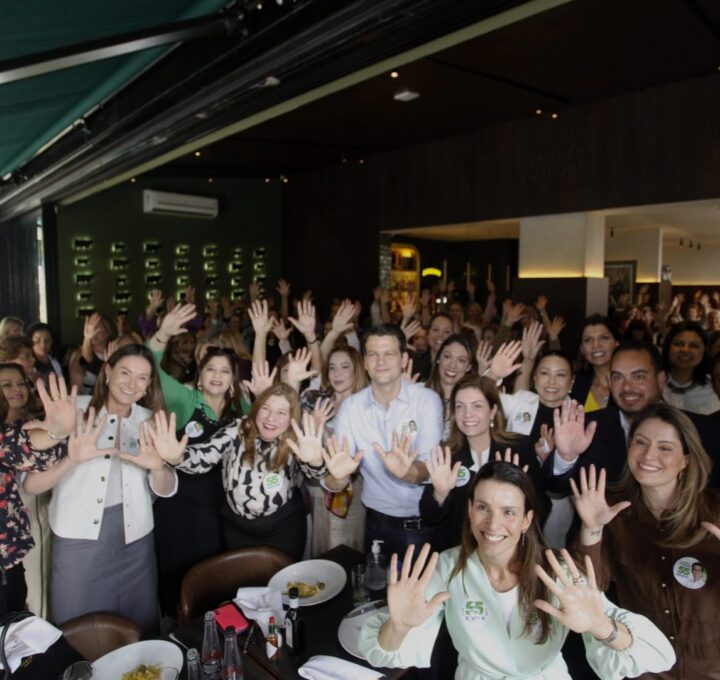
338,517
477,436
657,536
188,525
101,507
264,457
508,603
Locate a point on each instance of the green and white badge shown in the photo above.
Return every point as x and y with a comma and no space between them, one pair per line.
272,482
690,573
463,476
475,611
194,429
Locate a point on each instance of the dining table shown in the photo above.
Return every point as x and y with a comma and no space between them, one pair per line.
322,621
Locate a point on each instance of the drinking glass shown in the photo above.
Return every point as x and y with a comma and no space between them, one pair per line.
360,591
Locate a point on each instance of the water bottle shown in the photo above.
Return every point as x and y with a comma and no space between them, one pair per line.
211,654
232,668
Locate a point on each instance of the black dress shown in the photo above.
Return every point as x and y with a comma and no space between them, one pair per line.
188,526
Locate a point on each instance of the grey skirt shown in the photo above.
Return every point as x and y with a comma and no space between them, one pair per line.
106,575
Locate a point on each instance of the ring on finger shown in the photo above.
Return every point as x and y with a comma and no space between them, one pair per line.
578,581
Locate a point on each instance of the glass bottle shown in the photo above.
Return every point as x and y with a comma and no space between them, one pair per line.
294,625
272,642
211,654
192,665
232,668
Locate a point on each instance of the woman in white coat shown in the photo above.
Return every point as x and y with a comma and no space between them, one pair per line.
507,617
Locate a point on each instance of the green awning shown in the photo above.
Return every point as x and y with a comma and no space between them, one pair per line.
34,111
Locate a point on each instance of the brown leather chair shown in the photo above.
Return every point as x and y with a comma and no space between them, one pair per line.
94,635
216,579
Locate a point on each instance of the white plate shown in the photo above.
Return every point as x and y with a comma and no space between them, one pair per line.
311,572
349,631
150,652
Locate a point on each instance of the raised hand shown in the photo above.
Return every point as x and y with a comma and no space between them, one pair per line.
174,321
555,327
91,326
323,411
407,600
490,286
532,341
305,321
409,309
339,462
343,320
541,303
283,288
410,328
407,374
260,317
483,356
399,459
254,291
580,600
155,298
82,444
512,313
159,443
308,446
571,436
262,378
546,444
443,473
590,503
504,363
510,457
190,295
425,297
60,413
470,287
298,368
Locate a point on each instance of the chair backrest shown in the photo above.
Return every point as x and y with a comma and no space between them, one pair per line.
217,579
94,635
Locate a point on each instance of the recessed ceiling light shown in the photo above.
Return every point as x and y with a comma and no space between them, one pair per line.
133,180
405,96
362,161
554,116
538,112
210,179
267,180
394,74
198,154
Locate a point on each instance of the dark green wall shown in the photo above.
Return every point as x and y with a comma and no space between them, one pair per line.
250,218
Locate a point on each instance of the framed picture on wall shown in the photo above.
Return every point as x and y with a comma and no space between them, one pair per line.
621,278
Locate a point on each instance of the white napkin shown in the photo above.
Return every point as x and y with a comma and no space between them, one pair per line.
27,637
331,668
260,604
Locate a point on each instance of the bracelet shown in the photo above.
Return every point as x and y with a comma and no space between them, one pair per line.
312,342
157,337
56,437
610,638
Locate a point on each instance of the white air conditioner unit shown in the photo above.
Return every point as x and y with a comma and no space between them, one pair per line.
181,205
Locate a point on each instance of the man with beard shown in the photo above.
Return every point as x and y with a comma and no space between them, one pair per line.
636,380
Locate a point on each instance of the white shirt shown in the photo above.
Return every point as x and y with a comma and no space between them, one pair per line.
696,398
520,409
80,497
476,623
416,411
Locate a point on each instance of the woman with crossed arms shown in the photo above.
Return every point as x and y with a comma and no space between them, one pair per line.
659,541
507,616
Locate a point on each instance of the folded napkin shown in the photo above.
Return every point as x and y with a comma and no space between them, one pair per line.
27,637
260,604
331,668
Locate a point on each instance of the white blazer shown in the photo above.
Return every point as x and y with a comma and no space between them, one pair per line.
78,500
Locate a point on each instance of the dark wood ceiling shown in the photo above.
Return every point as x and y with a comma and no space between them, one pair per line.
579,52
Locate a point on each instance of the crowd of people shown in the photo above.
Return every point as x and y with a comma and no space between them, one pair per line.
523,480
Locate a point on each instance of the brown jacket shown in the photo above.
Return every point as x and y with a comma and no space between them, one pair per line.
658,583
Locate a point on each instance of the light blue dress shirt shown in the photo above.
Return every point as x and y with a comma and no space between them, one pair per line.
416,411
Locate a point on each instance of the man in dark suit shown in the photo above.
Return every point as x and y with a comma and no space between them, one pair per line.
636,380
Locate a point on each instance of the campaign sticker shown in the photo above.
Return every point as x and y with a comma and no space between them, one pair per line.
194,429
272,482
463,476
475,611
690,573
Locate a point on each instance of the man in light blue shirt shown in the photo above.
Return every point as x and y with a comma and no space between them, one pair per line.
395,423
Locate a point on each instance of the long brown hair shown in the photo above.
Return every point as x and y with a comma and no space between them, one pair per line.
464,341
691,504
498,432
529,551
250,430
153,398
33,407
359,376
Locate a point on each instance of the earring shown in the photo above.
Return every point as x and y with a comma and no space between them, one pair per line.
492,423
107,381
522,539
199,386
232,391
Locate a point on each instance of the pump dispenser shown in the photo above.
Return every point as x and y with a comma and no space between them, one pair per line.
376,573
